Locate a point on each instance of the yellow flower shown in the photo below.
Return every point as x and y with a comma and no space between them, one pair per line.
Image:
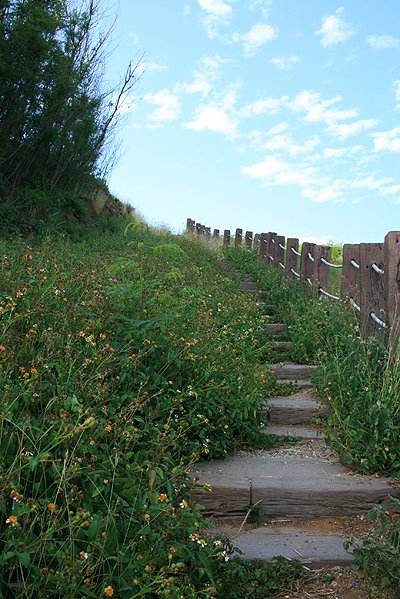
51,507
13,520
109,591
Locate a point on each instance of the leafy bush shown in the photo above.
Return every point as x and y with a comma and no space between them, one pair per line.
379,555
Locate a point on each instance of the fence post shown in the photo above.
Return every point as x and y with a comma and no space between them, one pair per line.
350,285
198,229
392,284
189,225
216,234
291,258
306,264
372,296
248,240
207,233
238,238
280,252
321,270
256,241
227,237
270,256
263,247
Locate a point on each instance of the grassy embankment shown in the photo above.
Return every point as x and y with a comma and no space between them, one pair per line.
123,360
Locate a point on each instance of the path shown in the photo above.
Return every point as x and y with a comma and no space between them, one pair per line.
305,493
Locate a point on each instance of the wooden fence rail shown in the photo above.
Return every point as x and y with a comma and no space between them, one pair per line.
370,278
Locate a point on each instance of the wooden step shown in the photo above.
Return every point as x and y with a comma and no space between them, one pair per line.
275,329
248,286
289,486
294,430
281,345
300,384
294,409
304,543
290,372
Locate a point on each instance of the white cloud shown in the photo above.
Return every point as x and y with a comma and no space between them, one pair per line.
334,29
270,105
343,131
340,152
383,42
153,66
387,140
215,119
257,36
275,171
390,190
284,64
371,183
323,194
219,8
198,86
318,110
285,144
169,106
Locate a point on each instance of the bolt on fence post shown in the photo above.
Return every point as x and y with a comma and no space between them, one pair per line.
350,284
372,295
248,240
307,265
227,238
392,284
270,256
279,251
291,258
238,238
321,270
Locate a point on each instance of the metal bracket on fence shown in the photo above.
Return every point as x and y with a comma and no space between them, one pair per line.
354,263
282,247
309,280
294,272
295,251
281,265
310,257
377,320
353,303
334,297
330,264
271,258
376,268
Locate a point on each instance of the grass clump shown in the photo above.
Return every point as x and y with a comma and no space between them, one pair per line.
123,360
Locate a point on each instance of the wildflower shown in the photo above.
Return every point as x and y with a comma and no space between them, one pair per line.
166,582
163,497
225,555
84,555
44,571
217,543
51,507
2,348
202,542
135,581
148,568
147,516
183,504
194,536
13,520
109,591
105,481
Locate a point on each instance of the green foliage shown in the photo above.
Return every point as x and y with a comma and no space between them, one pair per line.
57,118
378,556
123,360
245,580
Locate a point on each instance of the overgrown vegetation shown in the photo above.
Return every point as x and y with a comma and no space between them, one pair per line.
358,377
57,117
379,555
123,360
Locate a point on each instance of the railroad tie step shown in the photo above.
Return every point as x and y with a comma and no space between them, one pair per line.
248,286
281,345
290,372
304,543
275,329
288,486
298,408
294,430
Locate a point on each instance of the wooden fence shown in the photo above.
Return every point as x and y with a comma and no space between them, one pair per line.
370,277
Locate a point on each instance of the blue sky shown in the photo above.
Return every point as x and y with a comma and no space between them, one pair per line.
270,115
